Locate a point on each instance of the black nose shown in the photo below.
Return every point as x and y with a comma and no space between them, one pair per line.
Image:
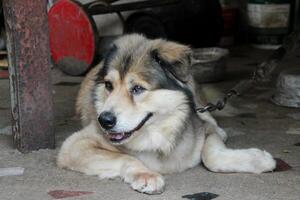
107,120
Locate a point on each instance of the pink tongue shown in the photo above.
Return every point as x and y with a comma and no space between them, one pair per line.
117,136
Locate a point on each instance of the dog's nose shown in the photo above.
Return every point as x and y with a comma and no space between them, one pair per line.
107,120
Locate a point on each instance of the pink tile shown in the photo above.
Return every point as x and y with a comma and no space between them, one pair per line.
60,194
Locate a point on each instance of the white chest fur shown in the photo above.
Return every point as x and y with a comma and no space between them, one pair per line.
185,154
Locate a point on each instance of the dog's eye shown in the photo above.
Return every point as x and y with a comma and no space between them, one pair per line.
137,89
108,85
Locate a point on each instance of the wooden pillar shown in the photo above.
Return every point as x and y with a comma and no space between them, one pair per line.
29,68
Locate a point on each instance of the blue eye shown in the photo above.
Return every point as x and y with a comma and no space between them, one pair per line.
137,89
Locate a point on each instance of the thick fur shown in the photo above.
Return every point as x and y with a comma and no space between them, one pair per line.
173,139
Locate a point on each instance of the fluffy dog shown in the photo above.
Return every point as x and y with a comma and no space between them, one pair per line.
138,112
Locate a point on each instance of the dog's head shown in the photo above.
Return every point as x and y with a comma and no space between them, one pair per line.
142,90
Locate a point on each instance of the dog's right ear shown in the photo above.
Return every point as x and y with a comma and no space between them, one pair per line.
174,58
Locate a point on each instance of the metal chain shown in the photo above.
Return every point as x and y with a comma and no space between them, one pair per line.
262,72
219,105
238,90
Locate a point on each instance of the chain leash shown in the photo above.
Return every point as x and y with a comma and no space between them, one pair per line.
262,73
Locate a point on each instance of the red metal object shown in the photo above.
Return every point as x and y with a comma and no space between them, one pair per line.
29,71
229,16
73,36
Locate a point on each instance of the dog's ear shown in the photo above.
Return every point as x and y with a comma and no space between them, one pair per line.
174,58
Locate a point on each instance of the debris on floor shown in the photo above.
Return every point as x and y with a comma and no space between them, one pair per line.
286,151
201,196
281,165
11,171
60,194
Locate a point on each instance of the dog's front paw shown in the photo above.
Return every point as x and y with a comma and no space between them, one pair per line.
147,182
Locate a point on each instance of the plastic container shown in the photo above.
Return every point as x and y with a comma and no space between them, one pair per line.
209,64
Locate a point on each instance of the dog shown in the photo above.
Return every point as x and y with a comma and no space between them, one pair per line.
138,111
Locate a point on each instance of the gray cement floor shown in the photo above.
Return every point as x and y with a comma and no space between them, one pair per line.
262,124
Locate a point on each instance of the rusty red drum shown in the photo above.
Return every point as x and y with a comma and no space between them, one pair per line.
73,37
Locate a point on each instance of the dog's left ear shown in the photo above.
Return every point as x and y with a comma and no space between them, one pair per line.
174,58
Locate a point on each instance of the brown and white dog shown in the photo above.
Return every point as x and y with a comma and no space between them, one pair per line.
138,112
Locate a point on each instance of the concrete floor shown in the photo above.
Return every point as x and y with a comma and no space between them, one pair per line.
261,124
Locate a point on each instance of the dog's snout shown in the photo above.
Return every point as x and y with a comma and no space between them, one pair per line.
107,120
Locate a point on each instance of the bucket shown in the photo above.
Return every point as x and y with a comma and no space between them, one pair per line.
269,22
209,64
288,89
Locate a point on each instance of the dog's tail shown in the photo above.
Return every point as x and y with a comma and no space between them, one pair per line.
218,158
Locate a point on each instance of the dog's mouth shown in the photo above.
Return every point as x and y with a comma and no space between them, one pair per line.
119,137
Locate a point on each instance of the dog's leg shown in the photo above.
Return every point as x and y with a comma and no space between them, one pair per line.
108,164
213,125
85,152
218,158
206,116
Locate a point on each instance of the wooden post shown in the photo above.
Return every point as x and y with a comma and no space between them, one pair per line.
29,68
